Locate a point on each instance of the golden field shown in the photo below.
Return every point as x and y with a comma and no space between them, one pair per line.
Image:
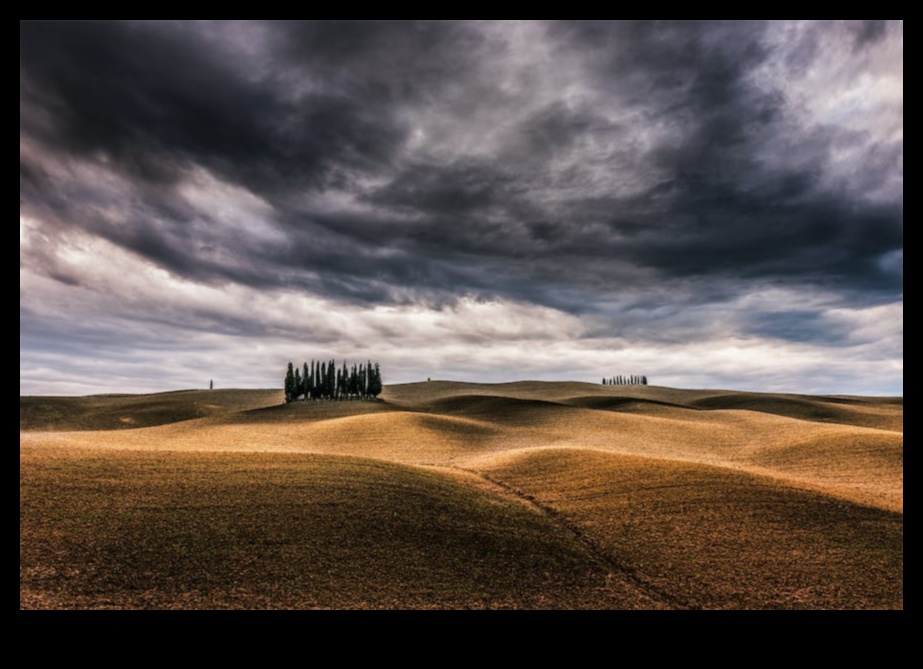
455,495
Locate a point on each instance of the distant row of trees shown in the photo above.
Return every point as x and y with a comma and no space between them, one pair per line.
631,380
327,381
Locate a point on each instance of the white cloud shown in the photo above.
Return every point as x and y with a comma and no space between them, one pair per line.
230,208
169,332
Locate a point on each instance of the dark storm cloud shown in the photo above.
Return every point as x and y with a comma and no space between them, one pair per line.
380,63
718,208
794,326
457,190
869,32
403,161
156,100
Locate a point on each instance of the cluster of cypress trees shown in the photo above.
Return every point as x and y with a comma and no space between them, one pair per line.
326,381
633,380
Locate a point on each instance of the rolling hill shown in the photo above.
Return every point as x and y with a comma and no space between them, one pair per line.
456,495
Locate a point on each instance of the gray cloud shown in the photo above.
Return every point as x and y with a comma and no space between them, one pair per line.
591,168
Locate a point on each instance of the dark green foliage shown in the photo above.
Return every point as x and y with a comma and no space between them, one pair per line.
631,380
290,383
327,381
331,385
375,386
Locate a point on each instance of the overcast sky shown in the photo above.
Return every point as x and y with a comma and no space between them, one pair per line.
714,205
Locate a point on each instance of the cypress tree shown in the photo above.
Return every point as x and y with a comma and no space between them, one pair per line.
289,382
311,381
375,387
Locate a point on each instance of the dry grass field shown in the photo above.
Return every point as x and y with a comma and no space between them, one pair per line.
455,495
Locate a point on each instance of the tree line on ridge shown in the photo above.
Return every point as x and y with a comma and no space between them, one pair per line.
327,381
630,380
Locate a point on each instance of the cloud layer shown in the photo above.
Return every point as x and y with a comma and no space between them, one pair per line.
705,203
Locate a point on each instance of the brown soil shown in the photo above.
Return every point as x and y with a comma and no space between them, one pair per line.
452,495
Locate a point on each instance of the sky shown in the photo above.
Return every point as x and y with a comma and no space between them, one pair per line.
710,204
